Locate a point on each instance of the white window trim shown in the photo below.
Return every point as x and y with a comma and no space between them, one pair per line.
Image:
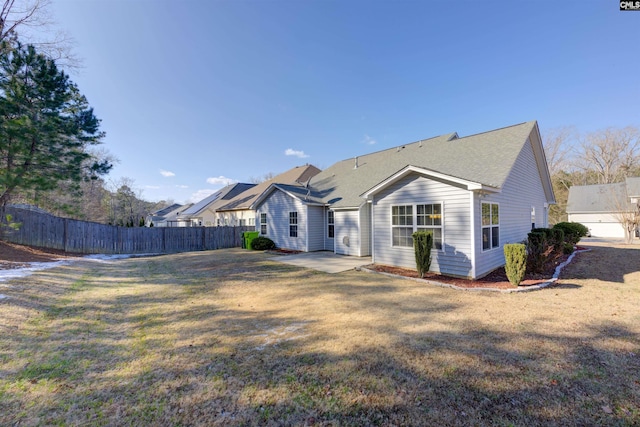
414,208
331,224
482,227
293,224
263,223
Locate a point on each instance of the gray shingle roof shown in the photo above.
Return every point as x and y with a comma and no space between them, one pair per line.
218,198
633,187
298,175
599,198
485,158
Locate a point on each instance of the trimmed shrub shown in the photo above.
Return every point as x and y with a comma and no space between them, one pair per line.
515,255
567,249
262,243
538,251
573,231
422,244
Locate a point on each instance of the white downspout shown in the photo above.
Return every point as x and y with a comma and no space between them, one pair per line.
472,222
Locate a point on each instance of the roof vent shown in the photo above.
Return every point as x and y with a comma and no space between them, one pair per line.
355,166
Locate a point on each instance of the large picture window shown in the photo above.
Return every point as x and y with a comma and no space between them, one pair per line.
293,224
407,219
330,224
490,226
263,223
429,218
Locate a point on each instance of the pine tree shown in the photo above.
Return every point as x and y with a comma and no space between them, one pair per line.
46,125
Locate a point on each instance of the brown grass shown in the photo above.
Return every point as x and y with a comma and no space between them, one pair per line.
230,337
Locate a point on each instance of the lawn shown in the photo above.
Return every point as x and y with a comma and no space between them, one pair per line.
231,337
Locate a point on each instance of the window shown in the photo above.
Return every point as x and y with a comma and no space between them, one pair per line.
533,217
429,218
293,224
490,226
330,224
263,223
402,225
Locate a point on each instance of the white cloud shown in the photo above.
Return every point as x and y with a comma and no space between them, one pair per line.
166,174
182,186
200,194
152,187
368,140
297,153
220,181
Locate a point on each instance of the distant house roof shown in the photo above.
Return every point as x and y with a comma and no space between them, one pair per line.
217,199
298,175
486,159
603,198
165,211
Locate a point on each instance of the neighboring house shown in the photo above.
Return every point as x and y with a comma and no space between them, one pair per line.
165,217
475,193
602,208
203,213
239,210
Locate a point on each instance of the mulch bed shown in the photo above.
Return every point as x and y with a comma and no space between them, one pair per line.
18,256
497,279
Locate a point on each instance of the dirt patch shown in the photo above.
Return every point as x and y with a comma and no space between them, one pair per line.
17,256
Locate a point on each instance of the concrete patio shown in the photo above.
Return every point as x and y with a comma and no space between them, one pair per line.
325,261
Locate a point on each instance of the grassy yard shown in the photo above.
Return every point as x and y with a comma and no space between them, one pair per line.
230,337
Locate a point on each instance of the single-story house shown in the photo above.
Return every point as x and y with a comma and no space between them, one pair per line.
602,207
475,194
238,210
203,213
165,217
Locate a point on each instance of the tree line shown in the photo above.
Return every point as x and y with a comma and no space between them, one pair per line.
605,156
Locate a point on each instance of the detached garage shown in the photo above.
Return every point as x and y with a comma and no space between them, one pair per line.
601,207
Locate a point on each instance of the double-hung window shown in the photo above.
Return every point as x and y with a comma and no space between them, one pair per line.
429,218
330,224
402,225
293,224
263,223
490,226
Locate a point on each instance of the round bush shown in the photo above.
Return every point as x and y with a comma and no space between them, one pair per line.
262,243
573,231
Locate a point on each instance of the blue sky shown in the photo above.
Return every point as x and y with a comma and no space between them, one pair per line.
194,94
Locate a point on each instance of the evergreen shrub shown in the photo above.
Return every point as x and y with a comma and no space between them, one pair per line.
422,244
515,255
262,243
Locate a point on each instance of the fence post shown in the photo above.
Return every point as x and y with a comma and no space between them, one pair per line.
65,226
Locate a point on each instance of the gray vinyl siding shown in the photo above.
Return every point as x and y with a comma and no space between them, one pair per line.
316,228
365,230
277,207
455,258
347,232
522,190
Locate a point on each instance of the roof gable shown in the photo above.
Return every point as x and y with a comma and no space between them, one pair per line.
298,175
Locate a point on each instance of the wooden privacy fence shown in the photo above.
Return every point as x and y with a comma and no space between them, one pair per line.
48,231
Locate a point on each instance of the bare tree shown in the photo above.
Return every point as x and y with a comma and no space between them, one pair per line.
266,177
558,144
31,21
625,210
609,155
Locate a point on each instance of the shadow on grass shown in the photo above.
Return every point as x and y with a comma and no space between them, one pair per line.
181,345
605,263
